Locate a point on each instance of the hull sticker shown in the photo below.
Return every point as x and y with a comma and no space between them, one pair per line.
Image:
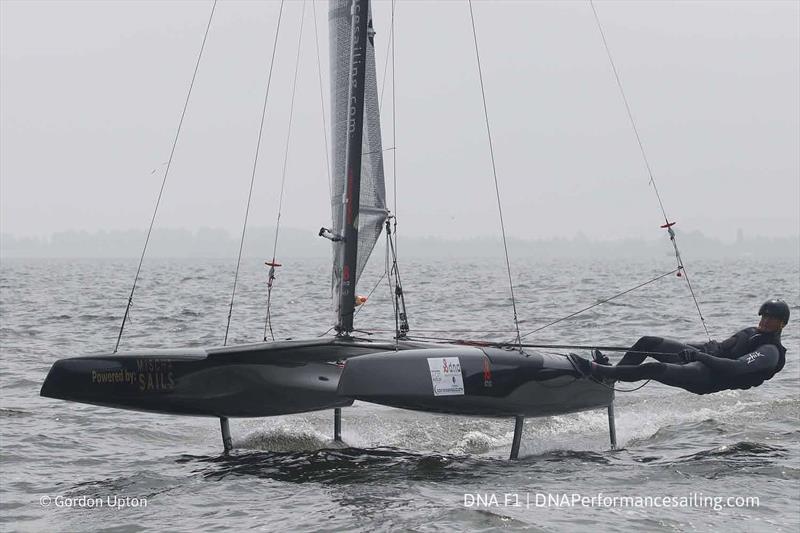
446,376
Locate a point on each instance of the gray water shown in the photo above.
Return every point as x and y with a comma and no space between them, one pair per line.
396,469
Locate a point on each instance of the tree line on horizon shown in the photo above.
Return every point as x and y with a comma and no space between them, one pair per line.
218,243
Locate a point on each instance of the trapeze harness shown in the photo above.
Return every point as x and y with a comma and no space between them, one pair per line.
745,360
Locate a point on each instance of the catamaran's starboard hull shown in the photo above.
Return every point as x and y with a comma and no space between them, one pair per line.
473,381
255,380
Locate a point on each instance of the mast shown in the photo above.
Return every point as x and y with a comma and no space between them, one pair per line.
355,126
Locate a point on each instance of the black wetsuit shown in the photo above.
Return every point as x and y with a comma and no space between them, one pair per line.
745,360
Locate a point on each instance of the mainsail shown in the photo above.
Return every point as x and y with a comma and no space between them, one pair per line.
372,197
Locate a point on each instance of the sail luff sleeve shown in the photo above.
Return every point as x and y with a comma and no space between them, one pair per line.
371,198
339,39
352,176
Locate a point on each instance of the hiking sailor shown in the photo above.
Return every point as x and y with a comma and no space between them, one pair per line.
747,359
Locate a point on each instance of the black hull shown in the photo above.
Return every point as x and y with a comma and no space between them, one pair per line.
279,378
486,382
255,380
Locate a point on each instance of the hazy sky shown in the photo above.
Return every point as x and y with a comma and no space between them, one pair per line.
91,94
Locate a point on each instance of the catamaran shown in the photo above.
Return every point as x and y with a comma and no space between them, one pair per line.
274,378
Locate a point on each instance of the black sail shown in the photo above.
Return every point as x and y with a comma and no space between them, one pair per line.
369,218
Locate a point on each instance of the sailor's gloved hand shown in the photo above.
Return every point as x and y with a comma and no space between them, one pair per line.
688,355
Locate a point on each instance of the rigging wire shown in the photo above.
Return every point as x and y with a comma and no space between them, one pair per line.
386,58
322,101
391,292
676,270
643,385
393,271
360,307
389,59
326,332
326,147
494,171
602,383
492,344
450,330
400,314
396,290
667,224
253,175
273,264
394,136
164,181
504,345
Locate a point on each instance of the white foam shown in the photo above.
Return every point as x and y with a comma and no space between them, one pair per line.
477,442
285,437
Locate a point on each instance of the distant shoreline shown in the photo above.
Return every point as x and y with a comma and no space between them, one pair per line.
218,243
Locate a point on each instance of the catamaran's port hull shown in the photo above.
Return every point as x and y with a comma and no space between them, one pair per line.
184,386
255,380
